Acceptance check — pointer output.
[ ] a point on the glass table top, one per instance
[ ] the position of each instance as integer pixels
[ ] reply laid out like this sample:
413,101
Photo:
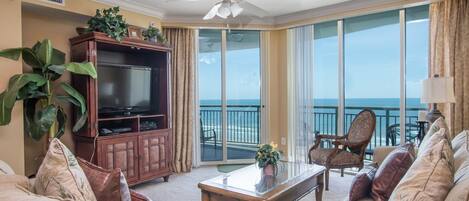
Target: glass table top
252,180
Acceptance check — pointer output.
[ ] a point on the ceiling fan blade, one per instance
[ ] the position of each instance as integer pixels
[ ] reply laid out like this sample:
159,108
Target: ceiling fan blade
253,9
212,13
236,9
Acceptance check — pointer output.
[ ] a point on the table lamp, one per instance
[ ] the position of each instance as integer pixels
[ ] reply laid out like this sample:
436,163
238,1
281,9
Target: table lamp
437,90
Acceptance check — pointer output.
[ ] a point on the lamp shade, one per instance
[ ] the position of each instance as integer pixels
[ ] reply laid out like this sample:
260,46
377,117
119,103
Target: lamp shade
438,90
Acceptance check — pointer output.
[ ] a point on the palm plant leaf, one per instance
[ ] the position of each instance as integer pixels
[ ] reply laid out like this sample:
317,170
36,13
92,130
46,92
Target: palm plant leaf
82,69
39,121
10,95
78,98
44,52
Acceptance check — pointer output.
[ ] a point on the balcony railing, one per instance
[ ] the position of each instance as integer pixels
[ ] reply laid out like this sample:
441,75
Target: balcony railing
243,122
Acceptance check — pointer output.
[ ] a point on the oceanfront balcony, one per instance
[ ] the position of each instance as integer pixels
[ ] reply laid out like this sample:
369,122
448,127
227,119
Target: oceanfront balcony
244,128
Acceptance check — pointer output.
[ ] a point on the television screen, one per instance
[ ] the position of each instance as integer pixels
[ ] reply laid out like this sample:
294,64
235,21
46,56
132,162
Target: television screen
123,88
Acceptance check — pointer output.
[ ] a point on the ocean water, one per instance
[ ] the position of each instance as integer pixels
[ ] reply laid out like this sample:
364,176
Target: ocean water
243,116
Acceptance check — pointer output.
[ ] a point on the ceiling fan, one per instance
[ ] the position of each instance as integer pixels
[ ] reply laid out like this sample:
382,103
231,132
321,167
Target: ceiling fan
225,8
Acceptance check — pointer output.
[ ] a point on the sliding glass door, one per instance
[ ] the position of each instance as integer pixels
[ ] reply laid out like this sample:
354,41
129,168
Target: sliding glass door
210,95
375,61
229,94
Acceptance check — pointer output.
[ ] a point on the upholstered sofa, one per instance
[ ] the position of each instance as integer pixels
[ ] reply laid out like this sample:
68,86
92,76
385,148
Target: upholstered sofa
459,168
19,188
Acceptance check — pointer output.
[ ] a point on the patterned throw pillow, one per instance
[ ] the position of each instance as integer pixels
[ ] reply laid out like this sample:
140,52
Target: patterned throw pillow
105,183
390,172
61,176
435,127
429,178
361,183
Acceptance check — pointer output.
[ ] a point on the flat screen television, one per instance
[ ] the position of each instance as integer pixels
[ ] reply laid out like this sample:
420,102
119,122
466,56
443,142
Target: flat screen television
123,89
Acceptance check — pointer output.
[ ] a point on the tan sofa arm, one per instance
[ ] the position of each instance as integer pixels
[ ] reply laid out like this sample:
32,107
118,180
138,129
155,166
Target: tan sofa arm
380,153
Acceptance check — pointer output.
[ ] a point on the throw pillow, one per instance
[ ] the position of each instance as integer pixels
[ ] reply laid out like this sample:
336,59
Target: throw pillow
60,175
435,127
391,171
436,138
5,168
124,188
105,183
430,177
460,140
361,183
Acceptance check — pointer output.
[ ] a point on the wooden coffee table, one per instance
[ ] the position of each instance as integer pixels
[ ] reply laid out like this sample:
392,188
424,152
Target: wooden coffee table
293,181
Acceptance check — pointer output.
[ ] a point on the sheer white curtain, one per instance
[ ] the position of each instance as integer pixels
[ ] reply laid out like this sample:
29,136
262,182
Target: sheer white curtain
300,92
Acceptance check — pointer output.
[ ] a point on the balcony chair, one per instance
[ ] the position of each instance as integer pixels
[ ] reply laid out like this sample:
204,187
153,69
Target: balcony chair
348,150
393,132
206,135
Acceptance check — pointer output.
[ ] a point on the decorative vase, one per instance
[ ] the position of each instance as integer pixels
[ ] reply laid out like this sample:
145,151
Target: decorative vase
153,39
270,170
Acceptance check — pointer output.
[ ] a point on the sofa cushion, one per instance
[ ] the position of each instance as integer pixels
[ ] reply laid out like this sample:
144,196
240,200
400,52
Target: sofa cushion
460,140
5,168
391,171
361,183
429,178
435,127
60,175
460,190
17,188
105,183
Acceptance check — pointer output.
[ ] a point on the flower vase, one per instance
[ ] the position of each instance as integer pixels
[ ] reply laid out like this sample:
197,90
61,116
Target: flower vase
270,170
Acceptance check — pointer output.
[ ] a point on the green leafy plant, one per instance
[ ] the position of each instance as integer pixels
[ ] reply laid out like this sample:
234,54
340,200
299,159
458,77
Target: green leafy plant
267,154
42,102
153,34
109,22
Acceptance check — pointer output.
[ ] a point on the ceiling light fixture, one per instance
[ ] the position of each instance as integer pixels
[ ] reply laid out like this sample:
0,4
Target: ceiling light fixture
224,9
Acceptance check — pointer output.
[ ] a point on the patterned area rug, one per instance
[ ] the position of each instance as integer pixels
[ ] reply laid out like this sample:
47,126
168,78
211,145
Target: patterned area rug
183,187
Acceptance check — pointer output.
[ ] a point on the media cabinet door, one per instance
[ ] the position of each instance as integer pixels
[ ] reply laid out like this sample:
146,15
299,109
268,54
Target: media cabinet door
121,153
155,154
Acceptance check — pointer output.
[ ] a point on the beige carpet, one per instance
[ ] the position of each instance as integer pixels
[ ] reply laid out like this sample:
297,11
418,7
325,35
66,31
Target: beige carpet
183,187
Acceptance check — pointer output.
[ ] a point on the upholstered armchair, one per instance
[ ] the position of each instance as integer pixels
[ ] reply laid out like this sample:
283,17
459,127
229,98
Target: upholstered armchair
348,151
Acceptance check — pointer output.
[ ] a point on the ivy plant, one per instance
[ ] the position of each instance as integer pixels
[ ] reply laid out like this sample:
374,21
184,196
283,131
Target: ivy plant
42,99
109,22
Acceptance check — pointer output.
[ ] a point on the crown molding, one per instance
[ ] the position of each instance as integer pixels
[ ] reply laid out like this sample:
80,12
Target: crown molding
135,7
331,12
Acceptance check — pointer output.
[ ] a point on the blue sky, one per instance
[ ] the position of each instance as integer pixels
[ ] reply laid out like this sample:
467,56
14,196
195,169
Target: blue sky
371,65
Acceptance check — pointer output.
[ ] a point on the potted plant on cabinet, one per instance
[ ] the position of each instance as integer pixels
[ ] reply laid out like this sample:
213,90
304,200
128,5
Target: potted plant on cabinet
109,21
153,34
267,158
43,110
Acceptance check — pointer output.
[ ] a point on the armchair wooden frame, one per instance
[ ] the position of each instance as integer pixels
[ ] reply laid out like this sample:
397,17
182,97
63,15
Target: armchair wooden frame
347,143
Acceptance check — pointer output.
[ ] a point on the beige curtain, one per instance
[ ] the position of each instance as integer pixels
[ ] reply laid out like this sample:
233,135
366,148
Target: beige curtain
449,55
182,92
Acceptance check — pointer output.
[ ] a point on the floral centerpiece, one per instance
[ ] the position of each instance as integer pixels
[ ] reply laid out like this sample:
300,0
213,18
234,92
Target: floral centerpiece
267,158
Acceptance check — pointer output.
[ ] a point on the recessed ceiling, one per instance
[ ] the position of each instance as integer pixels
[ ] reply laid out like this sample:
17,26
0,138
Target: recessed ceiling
173,9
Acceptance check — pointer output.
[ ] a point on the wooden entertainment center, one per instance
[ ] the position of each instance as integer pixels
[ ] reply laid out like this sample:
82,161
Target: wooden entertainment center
141,152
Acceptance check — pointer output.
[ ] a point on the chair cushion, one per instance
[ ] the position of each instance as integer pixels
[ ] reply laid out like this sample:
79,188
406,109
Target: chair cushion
435,127
361,183
429,178
60,175
390,172
320,156
105,183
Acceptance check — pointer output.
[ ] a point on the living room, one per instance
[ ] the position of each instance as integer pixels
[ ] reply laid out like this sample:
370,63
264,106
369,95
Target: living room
234,100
